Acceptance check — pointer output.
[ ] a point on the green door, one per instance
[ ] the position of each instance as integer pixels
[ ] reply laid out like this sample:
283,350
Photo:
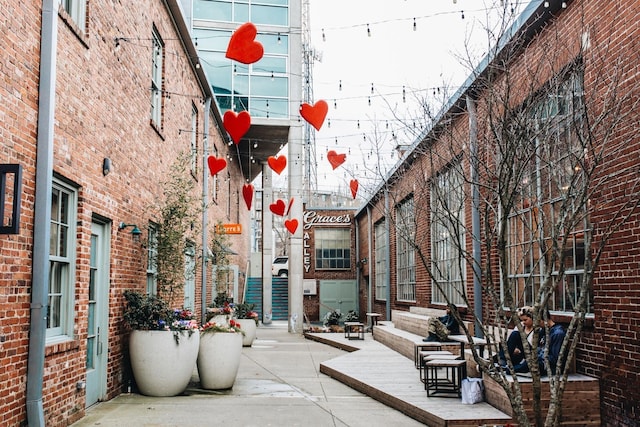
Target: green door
338,295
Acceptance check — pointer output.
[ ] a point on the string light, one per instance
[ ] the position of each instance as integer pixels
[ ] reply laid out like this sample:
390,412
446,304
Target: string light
414,24
368,31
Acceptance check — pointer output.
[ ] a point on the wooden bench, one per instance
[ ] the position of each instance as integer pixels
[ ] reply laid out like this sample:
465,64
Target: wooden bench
580,403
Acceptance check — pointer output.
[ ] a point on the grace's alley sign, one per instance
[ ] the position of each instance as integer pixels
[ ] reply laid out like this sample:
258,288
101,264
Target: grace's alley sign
313,218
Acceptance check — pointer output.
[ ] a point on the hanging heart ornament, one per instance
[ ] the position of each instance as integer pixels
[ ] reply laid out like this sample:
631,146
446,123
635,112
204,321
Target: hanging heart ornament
243,46
278,207
353,184
336,159
216,164
247,193
237,125
291,225
315,114
277,164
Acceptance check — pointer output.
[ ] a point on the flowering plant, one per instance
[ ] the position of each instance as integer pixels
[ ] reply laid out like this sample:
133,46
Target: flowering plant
211,327
246,311
150,313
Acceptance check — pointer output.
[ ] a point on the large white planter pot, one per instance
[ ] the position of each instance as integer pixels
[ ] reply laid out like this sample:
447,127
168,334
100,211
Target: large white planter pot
219,359
160,366
250,328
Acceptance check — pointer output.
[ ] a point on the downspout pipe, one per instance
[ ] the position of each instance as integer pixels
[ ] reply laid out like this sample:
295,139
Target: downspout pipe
369,264
42,214
205,211
475,215
388,257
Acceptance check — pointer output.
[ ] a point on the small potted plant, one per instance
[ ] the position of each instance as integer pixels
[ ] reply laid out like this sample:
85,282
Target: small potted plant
219,354
331,320
248,319
163,345
221,310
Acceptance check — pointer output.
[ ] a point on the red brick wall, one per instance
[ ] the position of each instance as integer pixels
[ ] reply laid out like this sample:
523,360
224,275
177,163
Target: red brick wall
608,348
102,110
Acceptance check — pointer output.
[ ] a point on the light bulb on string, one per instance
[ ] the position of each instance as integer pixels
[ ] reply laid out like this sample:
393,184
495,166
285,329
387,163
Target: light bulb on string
372,88
335,104
329,123
279,39
340,85
404,94
414,24
235,70
462,12
324,38
272,76
368,31
358,124
369,101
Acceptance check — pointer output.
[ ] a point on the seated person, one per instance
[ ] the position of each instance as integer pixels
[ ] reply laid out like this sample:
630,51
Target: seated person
441,327
515,348
556,337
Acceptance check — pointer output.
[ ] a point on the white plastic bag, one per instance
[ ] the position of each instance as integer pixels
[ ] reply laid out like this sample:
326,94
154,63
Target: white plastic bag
472,390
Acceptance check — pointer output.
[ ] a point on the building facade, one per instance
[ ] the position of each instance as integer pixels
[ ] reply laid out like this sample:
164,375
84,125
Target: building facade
528,178
101,102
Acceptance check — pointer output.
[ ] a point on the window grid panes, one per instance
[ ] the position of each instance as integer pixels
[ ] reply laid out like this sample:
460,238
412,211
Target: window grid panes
545,193
152,260
381,246
156,78
61,261
333,248
265,12
447,236
405,252
261,88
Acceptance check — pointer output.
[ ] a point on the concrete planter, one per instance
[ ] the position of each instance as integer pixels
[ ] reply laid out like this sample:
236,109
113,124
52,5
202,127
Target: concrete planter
250,328
219,359
162,367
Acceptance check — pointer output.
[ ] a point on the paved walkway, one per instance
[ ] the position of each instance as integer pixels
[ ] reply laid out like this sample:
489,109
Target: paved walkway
279,384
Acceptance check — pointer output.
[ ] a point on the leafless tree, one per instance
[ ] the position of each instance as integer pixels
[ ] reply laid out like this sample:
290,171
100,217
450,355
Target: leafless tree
522,181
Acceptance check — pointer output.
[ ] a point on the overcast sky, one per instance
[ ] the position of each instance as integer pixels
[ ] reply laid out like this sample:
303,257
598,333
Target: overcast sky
367,51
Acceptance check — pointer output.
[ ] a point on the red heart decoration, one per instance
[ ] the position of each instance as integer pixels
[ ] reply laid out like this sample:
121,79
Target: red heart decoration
315,114
278,207
247,193
215,164
292,225
236,124
277,163
336,159
243,47
354,187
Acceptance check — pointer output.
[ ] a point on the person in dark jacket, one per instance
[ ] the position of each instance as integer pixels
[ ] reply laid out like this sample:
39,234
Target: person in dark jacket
556,337
441,327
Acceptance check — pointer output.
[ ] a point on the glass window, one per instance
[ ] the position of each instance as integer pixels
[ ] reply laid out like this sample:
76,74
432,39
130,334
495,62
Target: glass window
194,140
545,203
156,79
77,11
269,86
381,246
269,15
333,248
152,260
405,252
212,10
447,236
61,261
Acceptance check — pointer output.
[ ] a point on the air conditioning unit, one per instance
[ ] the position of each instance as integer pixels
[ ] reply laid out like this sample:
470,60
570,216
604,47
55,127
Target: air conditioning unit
309,287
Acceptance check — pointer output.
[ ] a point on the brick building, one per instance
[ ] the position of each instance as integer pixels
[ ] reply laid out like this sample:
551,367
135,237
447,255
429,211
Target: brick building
556,102
98,101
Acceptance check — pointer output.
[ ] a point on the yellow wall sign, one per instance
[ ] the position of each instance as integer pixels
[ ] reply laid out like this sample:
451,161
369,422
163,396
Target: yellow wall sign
229,228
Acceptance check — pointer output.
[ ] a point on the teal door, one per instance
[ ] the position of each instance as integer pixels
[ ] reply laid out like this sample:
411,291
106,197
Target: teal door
97,316
338,295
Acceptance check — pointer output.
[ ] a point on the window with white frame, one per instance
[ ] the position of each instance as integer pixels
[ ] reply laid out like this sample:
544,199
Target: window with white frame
405,251
381,247
333,248
194,140
447,236
545,197
157,53
62,261
77,10
152,260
